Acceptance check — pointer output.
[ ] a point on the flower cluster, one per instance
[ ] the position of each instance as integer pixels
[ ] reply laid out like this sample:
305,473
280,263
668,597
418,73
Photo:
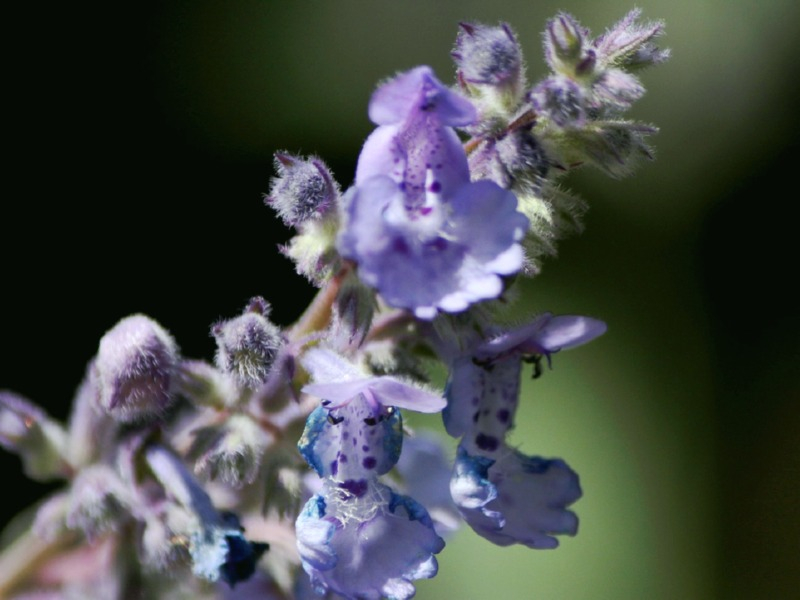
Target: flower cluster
186,477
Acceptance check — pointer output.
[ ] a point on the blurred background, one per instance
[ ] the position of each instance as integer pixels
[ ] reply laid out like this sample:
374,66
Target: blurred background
139,141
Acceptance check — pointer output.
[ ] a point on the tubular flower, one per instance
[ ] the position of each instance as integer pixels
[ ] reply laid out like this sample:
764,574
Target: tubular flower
422,234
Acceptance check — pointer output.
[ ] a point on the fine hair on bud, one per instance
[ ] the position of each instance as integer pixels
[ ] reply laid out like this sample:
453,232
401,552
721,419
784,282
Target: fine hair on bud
304,189
248,344
134,369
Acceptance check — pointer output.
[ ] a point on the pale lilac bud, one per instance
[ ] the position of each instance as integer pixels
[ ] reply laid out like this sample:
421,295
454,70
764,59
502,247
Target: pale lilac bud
134,369
99,501
26,430
488,56
248,344
304,189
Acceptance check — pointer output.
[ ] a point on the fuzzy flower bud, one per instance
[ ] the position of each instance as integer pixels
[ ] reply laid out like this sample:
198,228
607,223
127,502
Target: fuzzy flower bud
304,189
134,369
231,452
248,344
490,59
564,44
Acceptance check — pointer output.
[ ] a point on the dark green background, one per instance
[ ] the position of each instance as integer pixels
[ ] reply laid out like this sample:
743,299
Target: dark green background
139,140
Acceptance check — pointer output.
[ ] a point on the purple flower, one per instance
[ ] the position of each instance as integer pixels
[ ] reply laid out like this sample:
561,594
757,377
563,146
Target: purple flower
421,233
369,547
506,496
515,499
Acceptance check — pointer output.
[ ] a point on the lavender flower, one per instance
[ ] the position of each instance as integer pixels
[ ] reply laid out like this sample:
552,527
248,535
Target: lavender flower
453,196
421,233
491,482
357,537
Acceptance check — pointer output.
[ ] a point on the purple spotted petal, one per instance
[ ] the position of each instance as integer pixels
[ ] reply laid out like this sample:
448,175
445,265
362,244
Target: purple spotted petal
377,545
516,499
352,443
482,398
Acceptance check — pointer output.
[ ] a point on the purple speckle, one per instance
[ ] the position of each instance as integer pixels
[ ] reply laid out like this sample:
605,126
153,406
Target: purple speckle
334,467
343,458
357,487
486,442
369,462
365,448
503,415
435,187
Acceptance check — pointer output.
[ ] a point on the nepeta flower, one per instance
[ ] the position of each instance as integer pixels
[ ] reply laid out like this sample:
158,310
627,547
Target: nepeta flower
421,233
358,537
506,496
369,547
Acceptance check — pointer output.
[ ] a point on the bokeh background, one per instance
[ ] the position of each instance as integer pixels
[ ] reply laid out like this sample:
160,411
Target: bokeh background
139,139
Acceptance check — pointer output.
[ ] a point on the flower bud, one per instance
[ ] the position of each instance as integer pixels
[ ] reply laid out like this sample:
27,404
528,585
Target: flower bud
489,56
248,344
231,452
134,369
304,189
27,430
564,43
99,501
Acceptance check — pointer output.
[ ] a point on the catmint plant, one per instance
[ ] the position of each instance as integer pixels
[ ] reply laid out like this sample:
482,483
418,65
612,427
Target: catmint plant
280,467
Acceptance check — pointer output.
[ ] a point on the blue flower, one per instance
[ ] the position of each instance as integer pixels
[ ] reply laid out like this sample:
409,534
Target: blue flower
516,499
422,234
367,547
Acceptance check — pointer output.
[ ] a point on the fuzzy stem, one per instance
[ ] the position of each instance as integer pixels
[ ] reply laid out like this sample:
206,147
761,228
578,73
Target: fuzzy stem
318,314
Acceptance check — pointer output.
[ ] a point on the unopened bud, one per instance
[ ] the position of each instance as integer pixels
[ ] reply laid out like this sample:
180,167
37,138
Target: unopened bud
352,313
231,452
304,189
248,344
564,43
134,369
489,56
26,430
